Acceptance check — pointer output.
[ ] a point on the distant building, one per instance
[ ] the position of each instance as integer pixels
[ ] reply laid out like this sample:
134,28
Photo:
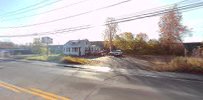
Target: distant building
80,48
17,51
46,40
193,48
20,51
14,49
7,45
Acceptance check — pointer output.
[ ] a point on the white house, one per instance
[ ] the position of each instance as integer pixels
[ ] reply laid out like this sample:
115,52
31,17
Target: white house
79,48
76,47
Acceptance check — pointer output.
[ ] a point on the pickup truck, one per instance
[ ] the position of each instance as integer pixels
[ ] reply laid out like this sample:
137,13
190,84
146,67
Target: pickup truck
116,53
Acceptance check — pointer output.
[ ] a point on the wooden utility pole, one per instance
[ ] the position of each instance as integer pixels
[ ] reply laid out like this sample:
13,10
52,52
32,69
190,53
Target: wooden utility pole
110,41
47,49
47,41
110,31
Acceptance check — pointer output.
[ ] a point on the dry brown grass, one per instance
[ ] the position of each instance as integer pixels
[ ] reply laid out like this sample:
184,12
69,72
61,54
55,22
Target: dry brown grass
75,60
181,64
78,60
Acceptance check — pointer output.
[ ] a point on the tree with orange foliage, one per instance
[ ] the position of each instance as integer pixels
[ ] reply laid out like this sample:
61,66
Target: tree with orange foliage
172,32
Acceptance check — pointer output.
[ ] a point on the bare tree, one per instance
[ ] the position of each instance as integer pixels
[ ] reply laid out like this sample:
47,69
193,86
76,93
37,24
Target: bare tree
38,47
110,31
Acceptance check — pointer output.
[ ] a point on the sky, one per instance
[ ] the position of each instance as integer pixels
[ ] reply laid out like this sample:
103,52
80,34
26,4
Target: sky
15,13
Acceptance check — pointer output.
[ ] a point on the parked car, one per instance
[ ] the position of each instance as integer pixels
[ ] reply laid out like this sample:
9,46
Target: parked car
103,52
116,53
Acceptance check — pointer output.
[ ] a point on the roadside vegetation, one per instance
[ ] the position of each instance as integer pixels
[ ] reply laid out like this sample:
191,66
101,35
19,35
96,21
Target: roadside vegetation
62,59
75,60
172,32
45,58
181,64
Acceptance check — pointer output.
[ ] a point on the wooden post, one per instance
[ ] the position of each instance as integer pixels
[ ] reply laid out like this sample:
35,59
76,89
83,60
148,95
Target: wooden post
47,50
110,41
185,52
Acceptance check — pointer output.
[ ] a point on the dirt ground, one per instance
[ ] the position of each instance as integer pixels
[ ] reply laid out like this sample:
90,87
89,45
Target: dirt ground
125,62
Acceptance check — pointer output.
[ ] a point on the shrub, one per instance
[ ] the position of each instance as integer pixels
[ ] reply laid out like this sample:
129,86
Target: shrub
75,60
183,64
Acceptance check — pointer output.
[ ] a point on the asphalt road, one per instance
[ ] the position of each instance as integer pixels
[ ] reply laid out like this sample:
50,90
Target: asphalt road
25,80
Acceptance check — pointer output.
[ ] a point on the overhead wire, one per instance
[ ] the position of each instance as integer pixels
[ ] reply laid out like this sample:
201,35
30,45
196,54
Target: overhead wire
71,29
25,7
48,11
24,10
151,14
79,14
67,17
181,8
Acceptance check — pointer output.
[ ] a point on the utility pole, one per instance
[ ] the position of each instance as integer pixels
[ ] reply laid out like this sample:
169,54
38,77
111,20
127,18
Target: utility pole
47,41
47,49
110,31
110,41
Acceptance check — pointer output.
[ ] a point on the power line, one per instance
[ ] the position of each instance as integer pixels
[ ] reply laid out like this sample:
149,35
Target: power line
25,7
151,14
66,6
71,29
187,1
152,10
24,10
76,14
64,18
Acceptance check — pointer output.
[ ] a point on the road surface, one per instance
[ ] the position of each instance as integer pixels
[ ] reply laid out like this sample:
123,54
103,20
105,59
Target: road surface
27,80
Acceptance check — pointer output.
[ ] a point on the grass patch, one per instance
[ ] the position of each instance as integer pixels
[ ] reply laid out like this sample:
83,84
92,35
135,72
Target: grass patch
64,59
45,58
181,64
39,58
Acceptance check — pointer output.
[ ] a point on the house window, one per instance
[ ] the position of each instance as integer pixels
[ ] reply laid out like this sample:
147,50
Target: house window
87,49
75,49
67,49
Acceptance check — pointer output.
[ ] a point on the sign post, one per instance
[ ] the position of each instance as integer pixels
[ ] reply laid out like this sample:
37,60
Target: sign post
47,41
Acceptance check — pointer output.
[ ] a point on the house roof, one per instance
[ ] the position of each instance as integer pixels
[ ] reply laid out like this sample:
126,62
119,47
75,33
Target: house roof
98,43
190,46
55,46
75,42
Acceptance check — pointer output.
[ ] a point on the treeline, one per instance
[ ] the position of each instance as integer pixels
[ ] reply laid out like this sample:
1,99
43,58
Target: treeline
140,45
170,41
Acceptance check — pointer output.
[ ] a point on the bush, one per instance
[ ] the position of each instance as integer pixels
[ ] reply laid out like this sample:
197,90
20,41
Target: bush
63,59
54,58
75,60
183,64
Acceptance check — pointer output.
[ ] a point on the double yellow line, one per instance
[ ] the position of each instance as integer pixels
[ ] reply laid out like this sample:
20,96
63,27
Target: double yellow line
33,91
